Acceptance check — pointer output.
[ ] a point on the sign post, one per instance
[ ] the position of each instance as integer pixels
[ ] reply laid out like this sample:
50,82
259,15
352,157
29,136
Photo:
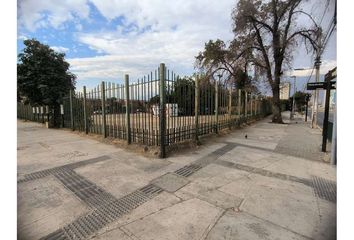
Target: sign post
328,77
326,85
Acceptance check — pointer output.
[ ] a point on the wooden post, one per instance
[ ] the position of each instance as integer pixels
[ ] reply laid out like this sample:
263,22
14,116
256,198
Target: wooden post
162,111
71,110
216,106
103,99
85,111
127,110
196,110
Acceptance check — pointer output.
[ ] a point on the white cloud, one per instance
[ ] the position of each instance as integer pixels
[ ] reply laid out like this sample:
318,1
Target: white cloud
33,14
152,31
60,49
326,66
158,31
22,37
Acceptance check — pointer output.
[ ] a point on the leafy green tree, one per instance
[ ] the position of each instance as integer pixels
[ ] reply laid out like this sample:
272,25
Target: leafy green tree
43,76
300,99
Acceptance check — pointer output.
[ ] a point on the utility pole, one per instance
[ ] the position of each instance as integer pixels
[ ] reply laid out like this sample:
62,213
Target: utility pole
315,99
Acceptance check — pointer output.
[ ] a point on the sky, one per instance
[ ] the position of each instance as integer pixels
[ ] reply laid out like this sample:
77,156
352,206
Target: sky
103,40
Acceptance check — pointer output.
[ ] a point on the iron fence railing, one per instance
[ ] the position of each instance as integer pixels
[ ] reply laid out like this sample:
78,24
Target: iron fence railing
159,109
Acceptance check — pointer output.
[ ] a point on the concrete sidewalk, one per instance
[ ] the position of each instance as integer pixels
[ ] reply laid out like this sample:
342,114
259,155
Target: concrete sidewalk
272,185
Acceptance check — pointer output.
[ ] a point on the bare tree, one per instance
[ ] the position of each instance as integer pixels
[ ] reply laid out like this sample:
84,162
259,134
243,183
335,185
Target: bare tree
268,32
216,56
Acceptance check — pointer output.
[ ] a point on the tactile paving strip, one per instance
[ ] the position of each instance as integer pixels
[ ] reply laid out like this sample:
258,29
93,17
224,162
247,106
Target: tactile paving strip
325,189
84,189
188,170
106,208
85,226
60,169
151,190
204,161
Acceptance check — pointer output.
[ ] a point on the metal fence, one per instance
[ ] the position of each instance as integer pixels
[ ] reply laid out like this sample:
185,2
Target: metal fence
36,114
159,109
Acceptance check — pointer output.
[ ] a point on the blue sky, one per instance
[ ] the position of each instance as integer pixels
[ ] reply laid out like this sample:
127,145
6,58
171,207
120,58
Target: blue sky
104,39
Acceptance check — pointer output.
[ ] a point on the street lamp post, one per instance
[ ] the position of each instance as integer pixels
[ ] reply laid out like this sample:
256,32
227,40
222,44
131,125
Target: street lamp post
293,105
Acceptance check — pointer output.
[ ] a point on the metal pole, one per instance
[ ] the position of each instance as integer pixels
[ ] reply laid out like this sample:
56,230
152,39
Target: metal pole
85,110
162,111
217,104
71,110
315,99
334,135
325,120
127,109
196,111
307,106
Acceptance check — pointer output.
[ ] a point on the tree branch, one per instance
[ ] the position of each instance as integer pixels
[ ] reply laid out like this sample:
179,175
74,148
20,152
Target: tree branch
264,53
254,20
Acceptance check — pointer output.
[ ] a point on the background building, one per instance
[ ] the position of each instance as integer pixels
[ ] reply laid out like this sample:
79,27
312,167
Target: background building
284,91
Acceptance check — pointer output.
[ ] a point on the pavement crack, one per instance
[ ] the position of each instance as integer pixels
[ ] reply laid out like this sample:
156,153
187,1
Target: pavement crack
212,225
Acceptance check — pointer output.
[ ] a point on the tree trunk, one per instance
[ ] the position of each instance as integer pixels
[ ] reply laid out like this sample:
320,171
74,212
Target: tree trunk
276,108
55,118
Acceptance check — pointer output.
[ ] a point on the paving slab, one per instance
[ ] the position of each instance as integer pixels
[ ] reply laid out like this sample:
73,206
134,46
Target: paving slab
290,165
186,220
114,234
238,188
239,225
117,179
160,202
252,157
213,171
170,182
44,205
287,204
209,193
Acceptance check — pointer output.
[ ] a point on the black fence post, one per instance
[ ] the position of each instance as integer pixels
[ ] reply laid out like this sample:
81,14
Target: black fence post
325,120
127,109
71,110
85,111
216,106
103,99
162,111
196,110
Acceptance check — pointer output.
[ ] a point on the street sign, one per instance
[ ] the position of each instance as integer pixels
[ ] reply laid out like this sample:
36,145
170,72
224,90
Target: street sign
315,85
319,85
